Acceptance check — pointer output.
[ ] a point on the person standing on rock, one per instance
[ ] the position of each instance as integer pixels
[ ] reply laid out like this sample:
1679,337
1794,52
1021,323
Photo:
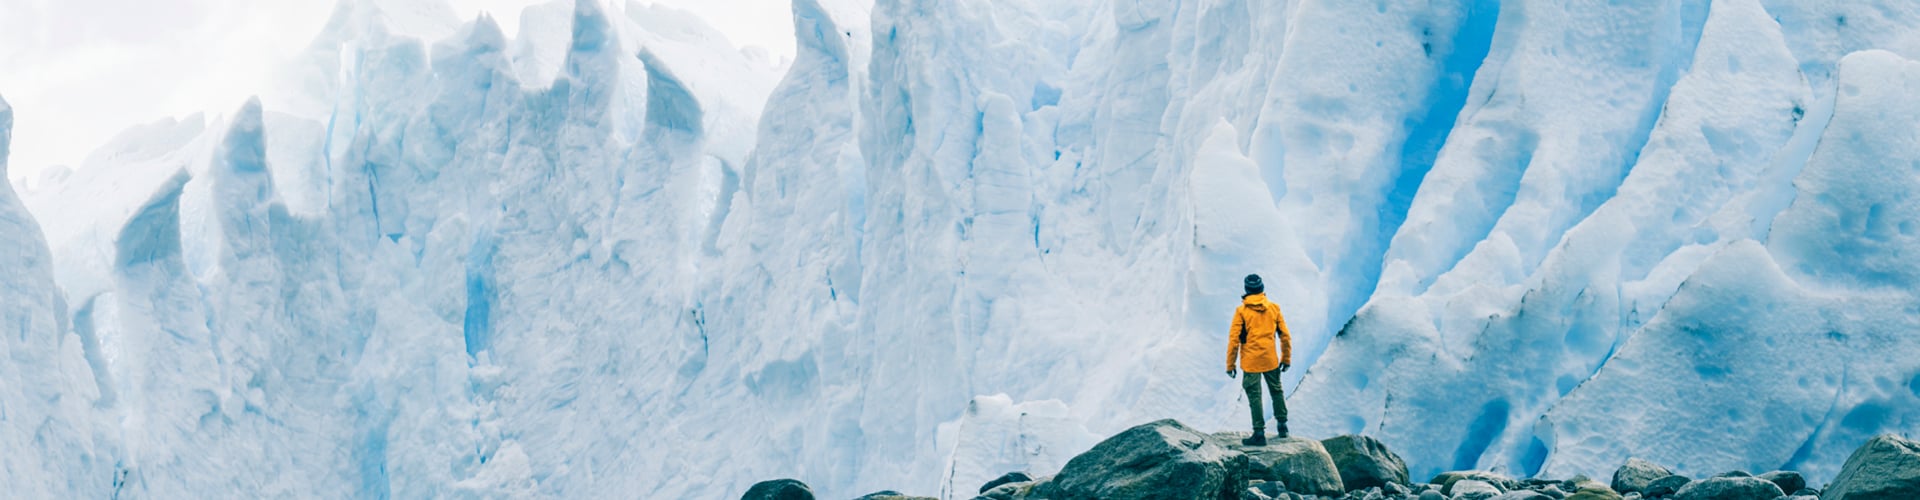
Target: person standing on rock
1250,346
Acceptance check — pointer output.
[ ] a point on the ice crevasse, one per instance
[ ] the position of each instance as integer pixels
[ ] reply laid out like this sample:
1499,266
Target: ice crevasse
615,256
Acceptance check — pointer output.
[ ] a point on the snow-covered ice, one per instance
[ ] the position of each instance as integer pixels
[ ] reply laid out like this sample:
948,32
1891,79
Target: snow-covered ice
615,256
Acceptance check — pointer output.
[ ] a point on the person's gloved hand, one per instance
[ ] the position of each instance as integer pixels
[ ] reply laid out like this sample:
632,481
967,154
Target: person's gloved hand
1231,373
1285,366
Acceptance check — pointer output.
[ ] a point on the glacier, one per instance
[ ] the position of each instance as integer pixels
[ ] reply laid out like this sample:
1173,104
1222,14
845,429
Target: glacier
615,256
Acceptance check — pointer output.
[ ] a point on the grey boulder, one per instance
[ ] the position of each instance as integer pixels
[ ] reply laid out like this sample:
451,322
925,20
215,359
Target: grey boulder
1729,488
1447,480
779,489
1474,489
1788,481
1885,468
1010,477
1364,462
1666,486
1157,460
1636,475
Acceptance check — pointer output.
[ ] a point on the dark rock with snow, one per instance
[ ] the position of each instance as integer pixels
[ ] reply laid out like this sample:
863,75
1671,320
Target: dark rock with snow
1734,473
1364,462
1446,480
1010,477
1887,467
1432,495
1162,459
1636,475
1522,495
1666,486
1303,464
1729,488
779,489
1473,489
1788,481
881,495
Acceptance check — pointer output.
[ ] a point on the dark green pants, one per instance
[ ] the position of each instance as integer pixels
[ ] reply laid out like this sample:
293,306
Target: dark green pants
1251,382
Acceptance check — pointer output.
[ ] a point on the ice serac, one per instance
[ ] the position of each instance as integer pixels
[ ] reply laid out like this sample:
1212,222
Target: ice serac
58,445
1817,298
1570,295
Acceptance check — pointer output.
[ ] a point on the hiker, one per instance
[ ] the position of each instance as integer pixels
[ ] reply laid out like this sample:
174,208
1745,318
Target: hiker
1250,345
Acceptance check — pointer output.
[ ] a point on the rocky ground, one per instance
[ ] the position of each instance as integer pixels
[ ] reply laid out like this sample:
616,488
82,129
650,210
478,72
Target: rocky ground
1168,460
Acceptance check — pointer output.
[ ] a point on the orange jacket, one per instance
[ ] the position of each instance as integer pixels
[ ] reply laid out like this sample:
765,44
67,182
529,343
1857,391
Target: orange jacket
1260,320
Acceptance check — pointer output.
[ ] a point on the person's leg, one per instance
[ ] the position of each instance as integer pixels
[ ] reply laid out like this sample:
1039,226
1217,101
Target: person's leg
1250,382
1279,400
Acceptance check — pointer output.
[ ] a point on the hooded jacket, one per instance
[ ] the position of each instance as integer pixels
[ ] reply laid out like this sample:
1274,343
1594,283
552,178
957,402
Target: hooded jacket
1260,320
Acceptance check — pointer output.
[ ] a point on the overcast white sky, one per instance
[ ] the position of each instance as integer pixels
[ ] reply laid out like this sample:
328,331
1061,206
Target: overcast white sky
79,71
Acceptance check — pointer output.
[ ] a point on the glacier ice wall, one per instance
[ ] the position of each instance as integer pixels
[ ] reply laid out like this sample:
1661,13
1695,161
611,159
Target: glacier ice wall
615,256
63,444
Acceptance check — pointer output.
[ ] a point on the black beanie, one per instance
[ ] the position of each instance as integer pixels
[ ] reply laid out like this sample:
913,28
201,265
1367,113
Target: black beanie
1253,284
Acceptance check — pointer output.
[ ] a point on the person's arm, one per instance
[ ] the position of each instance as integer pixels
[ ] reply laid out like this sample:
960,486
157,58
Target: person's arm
1233,341
1286,340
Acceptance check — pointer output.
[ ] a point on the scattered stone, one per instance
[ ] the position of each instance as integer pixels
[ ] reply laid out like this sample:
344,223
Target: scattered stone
1666,486
1255,494
1601,493
1432,495
1303,464
880,495
1473,489
1272,489
1393,489
1010,477
1364,462
1446,480
1522,495
1161,459
1886,467
779,489
1636,475
1729,488
1552,490
1786,480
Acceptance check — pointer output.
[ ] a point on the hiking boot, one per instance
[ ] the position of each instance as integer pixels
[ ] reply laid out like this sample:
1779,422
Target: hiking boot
1259,438
1283,432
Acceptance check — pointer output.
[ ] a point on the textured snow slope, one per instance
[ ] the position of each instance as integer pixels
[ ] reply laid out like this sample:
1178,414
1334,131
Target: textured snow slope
616,257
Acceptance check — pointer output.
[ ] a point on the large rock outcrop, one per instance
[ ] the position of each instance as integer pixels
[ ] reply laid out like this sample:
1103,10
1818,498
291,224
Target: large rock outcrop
1157,460
1886,468
1302,464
